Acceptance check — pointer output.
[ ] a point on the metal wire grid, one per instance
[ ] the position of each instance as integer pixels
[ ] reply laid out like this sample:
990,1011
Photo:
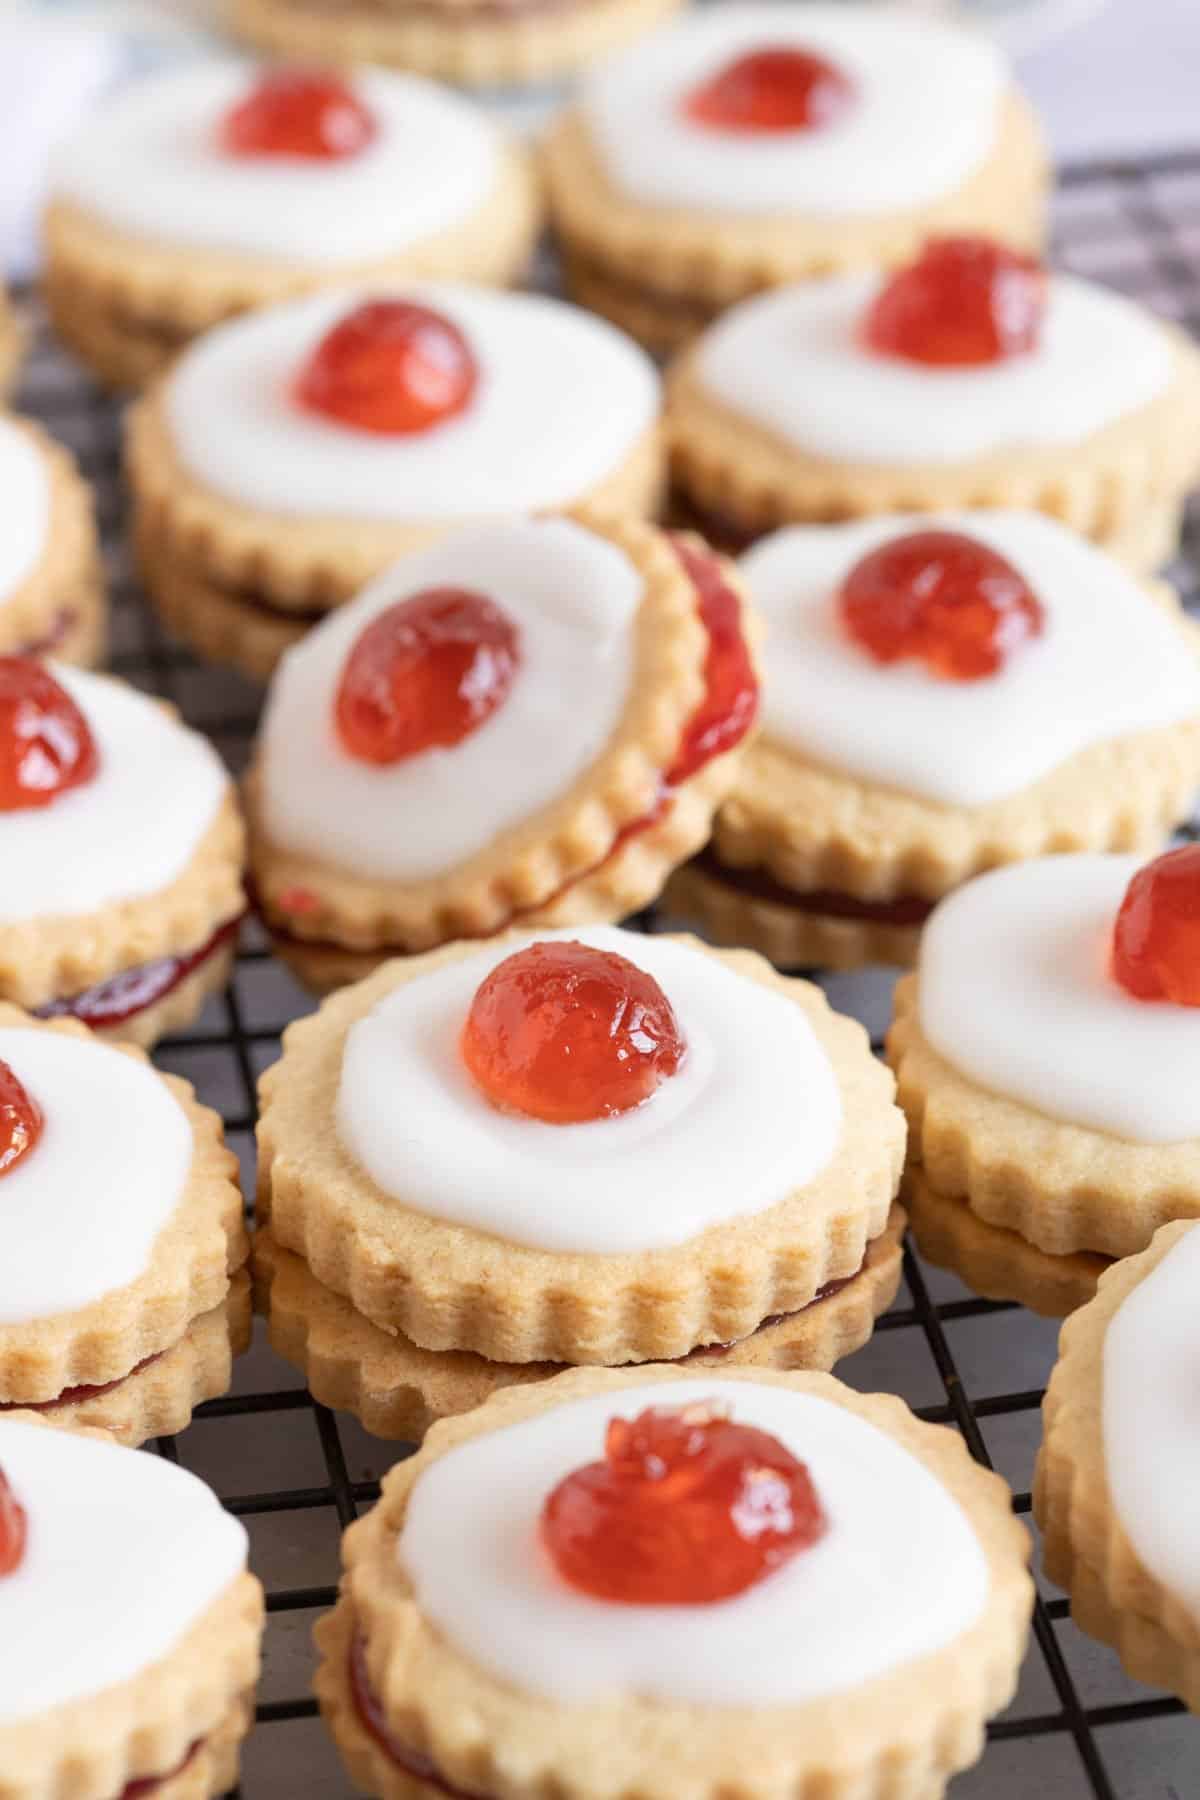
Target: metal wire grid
297,1474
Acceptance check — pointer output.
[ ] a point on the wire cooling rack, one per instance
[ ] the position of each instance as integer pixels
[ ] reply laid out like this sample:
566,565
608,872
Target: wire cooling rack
297,1474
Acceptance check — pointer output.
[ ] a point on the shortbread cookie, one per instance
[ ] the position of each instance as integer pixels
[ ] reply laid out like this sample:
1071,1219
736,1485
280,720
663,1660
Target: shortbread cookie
908,663
291,456
745,149
729,1145
398,1391
52,596
992,1260
205,191
132,1625
1119,1459
970,379
97,779
471,42
1043,1058
101,1153
569,1637
530,722
12,345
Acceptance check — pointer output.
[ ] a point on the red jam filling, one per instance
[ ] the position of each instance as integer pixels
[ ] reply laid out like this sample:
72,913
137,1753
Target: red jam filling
390,367
942,599
777,88
688,1507
46,747
113,1002
370,1712
298,112
1156,941
905,910
74,1396
730,701
425,674
12,1529
20,1120
964,303
565,1033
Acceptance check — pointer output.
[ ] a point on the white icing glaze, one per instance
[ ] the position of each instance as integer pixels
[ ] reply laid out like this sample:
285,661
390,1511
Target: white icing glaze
1151,1441
150,165
25,520
925,119
562,400
151,768
751,1116
898,1575
1105,664
83,1208
792,362
1015,992
573,597
124,1553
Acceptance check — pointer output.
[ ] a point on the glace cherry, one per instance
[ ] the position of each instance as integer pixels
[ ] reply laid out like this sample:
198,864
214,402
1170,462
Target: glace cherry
777,88
940,598
425,674
1156,942
688,1507
964,303
46,747
299,112
565,1033
390,367
20,1120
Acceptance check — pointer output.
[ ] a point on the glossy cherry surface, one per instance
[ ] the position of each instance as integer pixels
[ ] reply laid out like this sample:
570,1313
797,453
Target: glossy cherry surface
773,89
46,746
688,1507
1156,941
940,598
299,112
20,1120
425,674
964,303
390,367
13,1527
566,1033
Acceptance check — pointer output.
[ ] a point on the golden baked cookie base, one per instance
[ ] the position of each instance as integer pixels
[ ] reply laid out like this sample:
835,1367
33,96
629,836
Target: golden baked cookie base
302,565
127,305
12,347
625,881
447,40
791,937
1120,486
46,959
1085,1547
714,260
91,1749
995,1262
565,862
1061,1187
899,1736
449,1287
397,1390
813,828
203,1242
60,609
213,1770
160,1398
